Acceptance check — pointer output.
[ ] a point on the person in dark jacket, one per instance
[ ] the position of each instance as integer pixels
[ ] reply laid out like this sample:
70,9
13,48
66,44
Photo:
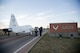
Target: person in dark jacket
40,30
36,31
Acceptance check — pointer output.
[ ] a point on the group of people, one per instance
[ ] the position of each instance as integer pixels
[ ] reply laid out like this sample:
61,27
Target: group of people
38,29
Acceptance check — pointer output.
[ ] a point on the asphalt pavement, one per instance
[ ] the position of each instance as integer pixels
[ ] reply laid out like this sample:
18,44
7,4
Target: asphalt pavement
12,43
9,44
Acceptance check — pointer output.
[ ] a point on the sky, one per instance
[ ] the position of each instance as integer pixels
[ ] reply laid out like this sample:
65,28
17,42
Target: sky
39,12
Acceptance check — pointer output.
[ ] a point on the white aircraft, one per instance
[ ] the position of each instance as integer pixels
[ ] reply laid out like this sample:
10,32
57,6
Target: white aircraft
14,27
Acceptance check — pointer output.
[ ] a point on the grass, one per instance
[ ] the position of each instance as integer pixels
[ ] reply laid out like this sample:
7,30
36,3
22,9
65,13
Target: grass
49,44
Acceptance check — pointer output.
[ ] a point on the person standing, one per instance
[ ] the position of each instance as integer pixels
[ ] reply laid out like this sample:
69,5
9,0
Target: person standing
36,31
40,31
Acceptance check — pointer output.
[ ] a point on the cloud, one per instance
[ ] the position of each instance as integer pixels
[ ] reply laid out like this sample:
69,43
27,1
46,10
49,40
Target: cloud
21,16
3,24
40,14
39,19
67,13
33,19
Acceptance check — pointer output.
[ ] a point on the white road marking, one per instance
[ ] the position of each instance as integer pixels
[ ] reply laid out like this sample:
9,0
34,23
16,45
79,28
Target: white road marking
25,45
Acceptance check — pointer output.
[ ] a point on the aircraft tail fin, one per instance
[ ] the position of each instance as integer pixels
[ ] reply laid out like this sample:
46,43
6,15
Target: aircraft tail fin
13,22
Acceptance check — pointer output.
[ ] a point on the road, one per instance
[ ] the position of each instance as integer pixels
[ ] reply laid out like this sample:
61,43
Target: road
12,43
9,44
